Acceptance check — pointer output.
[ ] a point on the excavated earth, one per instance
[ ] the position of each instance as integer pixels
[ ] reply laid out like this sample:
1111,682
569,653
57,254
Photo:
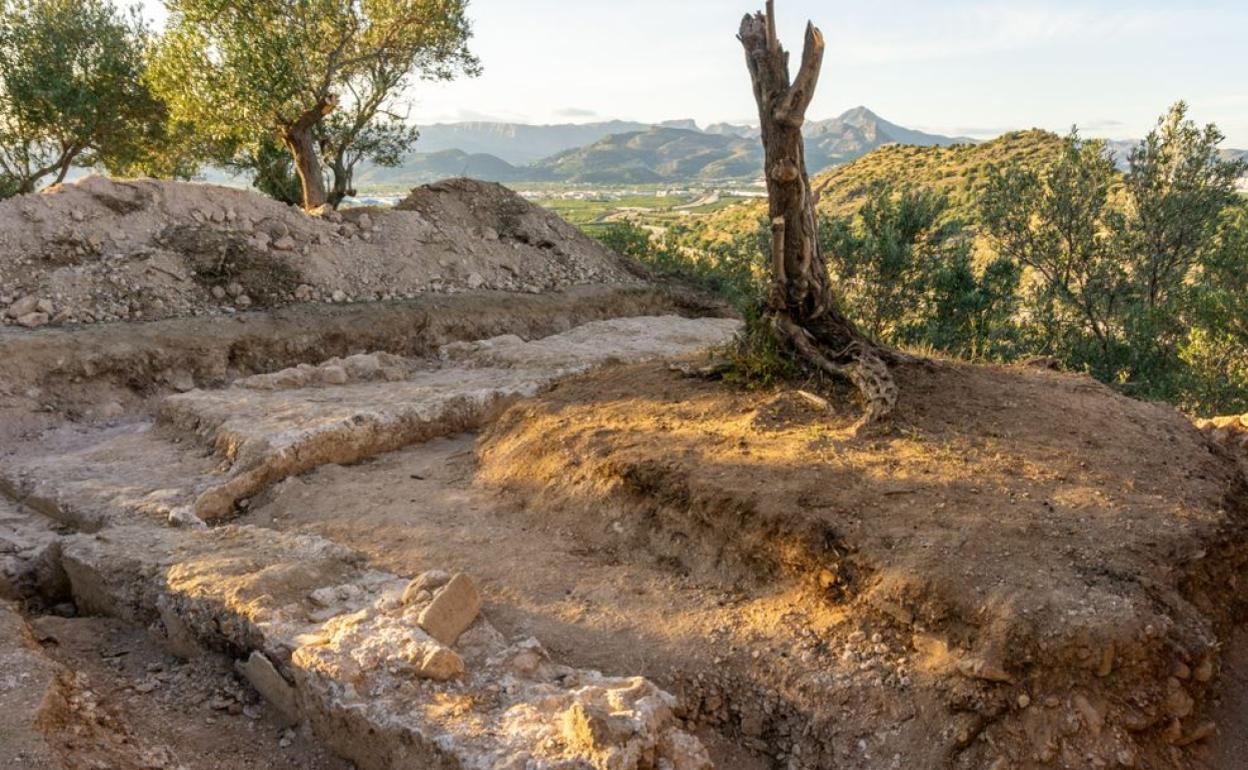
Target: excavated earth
436,495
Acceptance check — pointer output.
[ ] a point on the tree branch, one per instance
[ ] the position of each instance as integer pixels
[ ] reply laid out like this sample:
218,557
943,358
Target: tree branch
792,109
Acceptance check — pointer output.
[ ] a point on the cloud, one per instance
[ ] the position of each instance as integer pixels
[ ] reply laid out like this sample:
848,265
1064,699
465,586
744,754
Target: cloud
576,112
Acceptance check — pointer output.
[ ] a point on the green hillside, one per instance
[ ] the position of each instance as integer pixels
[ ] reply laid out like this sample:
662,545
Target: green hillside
960,171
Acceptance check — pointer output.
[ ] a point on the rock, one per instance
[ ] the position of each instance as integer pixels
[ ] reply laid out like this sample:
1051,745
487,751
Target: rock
1024,701
362,366
44,306
339,296
334,375
1092,716
1204,671
441,664
179,638
242,300
682,751
304,292
452,610
1177,702
593,730
365,222
475,281
218,292
1202,732
180,380
425,582
24,306
33,320
285,243
980,668
183,516
234,289
264,676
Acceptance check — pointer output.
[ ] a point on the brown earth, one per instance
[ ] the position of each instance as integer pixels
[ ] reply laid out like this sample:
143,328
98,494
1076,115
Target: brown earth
128,704
1022,570
1025,537
105,250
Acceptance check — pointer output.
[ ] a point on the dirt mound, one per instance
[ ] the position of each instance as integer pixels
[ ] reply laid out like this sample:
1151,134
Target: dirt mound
104,250
1059,561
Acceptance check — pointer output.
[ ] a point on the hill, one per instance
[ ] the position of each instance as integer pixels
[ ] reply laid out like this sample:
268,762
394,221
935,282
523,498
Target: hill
424,167
518,143
859,131
620,152
959,170
656,155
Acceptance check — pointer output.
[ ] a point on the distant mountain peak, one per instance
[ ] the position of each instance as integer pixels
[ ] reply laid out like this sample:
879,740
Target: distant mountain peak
623,152
688,124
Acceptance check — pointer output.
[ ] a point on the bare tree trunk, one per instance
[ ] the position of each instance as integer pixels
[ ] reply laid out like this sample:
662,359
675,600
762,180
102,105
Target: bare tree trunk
802,306
301,142
342,180
302,148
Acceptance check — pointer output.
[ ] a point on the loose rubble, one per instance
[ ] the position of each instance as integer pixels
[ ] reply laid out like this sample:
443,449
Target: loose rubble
107,250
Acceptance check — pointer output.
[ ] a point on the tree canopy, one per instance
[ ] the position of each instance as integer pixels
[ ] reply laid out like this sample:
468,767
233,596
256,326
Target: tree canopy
71,90
318,76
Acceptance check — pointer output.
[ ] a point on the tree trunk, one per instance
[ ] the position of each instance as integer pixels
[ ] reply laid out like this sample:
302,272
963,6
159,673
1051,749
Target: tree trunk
301,142
342,174
802,305
302,148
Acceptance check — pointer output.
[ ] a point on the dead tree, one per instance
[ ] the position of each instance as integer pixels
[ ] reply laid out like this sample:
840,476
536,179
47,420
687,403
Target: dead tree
802,306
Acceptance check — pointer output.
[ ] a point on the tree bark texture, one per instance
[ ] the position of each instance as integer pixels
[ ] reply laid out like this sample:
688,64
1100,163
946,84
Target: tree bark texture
802,305
300,139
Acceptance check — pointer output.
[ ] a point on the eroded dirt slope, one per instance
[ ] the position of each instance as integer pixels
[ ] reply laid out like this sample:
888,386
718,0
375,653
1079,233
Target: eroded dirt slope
1058,561
106,250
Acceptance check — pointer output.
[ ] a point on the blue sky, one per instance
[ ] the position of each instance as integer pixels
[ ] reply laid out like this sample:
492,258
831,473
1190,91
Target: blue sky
957,67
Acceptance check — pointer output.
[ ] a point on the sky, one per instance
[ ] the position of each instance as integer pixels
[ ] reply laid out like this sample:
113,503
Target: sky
954,67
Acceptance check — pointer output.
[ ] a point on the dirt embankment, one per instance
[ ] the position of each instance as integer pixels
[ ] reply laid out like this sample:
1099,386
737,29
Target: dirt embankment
102,372
1054,563
107,250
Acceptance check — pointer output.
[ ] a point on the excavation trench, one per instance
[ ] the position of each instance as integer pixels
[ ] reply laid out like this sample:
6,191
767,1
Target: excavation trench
334,644
1045,583
857,607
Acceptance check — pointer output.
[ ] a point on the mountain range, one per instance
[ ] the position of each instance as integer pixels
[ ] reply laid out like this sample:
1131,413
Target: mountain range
620,152
628,153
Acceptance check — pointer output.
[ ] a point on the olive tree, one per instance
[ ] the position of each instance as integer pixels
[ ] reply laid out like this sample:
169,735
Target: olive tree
803,307
72,90
241,70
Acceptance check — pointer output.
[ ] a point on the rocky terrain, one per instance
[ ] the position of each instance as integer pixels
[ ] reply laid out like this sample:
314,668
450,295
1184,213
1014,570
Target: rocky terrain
104,250
496,525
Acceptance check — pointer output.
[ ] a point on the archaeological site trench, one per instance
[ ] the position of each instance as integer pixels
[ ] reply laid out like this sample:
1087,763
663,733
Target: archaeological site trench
434,487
